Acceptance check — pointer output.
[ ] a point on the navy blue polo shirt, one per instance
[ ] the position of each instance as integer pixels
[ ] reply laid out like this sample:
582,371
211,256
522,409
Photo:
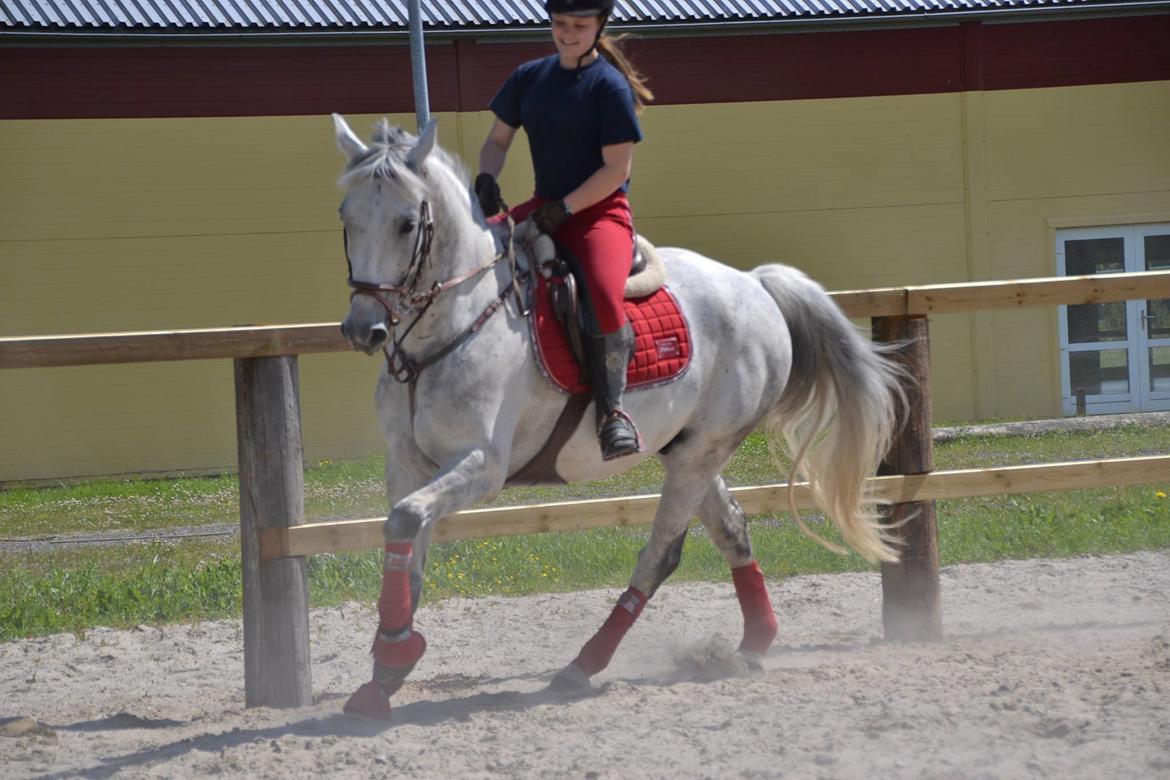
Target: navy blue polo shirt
568,116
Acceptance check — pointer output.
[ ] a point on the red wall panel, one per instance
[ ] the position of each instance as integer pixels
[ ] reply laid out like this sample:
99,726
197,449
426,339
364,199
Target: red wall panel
104,81
1058,54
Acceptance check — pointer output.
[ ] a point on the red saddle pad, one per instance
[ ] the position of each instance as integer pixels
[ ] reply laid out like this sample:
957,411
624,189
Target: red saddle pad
663,349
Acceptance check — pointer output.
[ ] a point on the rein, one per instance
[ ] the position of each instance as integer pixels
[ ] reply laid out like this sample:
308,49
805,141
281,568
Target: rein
403,368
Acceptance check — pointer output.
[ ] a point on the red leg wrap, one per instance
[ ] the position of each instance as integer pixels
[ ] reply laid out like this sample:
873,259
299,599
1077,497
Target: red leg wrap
759,621
598,651
396,652
397,646
394,606
393,661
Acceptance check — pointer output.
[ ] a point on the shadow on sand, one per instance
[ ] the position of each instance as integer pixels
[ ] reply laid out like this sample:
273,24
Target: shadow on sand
418,713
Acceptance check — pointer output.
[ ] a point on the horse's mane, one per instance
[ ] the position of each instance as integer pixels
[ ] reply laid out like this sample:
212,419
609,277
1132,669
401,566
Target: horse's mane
385,159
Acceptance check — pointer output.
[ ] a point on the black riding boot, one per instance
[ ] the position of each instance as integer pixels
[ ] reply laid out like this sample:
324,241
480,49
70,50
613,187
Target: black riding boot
609,356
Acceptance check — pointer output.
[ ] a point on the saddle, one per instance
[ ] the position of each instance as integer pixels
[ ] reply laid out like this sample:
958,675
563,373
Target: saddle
647,276
557,327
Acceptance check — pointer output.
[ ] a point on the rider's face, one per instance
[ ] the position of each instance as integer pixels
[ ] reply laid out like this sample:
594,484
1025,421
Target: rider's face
574,36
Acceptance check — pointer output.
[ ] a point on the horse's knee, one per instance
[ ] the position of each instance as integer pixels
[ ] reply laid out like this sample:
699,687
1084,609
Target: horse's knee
403,524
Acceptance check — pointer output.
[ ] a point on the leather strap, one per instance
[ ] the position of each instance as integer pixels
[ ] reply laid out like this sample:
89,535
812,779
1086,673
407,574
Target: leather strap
542,469
407,371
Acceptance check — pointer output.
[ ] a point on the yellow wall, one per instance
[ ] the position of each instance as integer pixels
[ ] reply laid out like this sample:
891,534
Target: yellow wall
110,225
1078,156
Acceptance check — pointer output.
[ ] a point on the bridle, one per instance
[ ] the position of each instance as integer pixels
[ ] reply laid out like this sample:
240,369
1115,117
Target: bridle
403,368
407,291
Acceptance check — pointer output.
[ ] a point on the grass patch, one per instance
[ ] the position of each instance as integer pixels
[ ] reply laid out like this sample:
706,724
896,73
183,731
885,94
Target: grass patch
334,490
351,489
125,585
121,586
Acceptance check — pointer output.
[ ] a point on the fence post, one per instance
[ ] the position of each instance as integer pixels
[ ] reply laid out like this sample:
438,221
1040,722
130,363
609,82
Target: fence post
911,607
272,480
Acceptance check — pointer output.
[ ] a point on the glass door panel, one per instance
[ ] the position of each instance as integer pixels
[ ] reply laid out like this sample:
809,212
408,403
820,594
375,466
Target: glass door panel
1154,324
1096,336
1095,323
1088,256
1100,372
1091,323
1160,370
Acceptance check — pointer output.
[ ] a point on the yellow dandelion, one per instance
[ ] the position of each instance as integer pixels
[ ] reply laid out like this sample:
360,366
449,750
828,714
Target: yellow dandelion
1160,494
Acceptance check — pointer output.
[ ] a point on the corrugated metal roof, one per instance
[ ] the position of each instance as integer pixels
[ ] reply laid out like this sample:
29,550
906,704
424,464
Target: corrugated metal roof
244,16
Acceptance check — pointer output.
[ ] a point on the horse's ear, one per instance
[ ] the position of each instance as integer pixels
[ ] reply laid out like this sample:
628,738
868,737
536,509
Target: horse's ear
350,145
426,142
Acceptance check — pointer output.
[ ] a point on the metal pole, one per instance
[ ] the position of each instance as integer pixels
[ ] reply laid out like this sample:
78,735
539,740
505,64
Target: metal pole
418,66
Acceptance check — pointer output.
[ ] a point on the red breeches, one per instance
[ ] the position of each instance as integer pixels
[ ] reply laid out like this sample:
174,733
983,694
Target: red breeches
602,239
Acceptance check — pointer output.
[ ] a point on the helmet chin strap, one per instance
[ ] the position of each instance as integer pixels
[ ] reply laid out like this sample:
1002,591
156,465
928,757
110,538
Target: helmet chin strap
596,40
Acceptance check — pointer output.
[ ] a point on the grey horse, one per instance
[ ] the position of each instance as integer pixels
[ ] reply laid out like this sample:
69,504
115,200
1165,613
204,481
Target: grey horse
464,406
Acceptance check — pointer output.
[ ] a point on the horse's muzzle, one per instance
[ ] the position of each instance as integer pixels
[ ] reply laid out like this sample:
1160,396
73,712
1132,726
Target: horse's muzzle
368,338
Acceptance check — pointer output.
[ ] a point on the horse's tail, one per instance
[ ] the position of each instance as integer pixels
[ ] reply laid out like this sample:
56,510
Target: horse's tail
838,411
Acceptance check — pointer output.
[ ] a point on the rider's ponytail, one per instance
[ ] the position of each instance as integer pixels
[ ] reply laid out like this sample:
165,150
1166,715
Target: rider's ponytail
611,50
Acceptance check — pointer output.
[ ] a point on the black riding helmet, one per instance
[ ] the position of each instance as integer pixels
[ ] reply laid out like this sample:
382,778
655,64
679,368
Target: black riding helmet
579,7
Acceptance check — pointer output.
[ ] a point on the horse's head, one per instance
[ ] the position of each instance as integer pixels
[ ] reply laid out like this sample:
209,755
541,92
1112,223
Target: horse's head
396,192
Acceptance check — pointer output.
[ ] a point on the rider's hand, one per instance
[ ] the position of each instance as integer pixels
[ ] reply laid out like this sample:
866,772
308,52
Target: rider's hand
487,191
550,216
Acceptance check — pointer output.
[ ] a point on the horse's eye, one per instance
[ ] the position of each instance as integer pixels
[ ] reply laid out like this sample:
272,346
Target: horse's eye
406,226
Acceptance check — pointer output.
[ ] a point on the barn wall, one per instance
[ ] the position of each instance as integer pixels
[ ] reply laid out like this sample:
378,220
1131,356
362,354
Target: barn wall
154,222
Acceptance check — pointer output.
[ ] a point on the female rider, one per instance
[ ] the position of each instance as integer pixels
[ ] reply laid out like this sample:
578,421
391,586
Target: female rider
578,108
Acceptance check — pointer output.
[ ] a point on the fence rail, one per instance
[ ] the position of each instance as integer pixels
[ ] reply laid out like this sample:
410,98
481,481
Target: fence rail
158,346
272,340
353,535
274,539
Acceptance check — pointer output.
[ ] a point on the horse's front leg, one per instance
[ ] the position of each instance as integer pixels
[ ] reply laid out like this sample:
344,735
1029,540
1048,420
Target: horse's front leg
397,645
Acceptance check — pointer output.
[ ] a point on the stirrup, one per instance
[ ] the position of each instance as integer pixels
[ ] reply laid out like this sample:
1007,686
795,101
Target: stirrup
618,435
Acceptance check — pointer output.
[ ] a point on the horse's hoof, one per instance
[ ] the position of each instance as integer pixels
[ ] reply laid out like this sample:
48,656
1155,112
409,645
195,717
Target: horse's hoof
570,680
369,701
753,661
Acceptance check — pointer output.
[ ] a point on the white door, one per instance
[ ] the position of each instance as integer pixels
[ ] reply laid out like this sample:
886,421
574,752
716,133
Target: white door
1116,354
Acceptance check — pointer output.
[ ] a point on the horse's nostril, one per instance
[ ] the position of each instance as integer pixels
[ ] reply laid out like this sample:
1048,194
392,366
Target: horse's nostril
378,335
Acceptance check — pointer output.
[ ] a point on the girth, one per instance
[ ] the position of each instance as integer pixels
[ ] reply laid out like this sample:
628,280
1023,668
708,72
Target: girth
542,469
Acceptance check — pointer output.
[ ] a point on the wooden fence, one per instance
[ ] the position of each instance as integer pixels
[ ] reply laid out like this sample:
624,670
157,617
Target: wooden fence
275,538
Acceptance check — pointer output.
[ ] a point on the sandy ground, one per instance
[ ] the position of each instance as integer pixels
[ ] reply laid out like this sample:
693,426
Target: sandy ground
1049,669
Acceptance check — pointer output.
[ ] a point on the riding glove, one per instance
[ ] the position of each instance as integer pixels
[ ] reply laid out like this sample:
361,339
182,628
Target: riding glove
487,191
549,217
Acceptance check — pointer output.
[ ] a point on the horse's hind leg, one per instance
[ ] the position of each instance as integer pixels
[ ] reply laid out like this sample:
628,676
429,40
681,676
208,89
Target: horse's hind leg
727,526
681,495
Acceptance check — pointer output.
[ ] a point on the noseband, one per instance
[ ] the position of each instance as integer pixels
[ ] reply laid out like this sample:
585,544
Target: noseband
399,365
